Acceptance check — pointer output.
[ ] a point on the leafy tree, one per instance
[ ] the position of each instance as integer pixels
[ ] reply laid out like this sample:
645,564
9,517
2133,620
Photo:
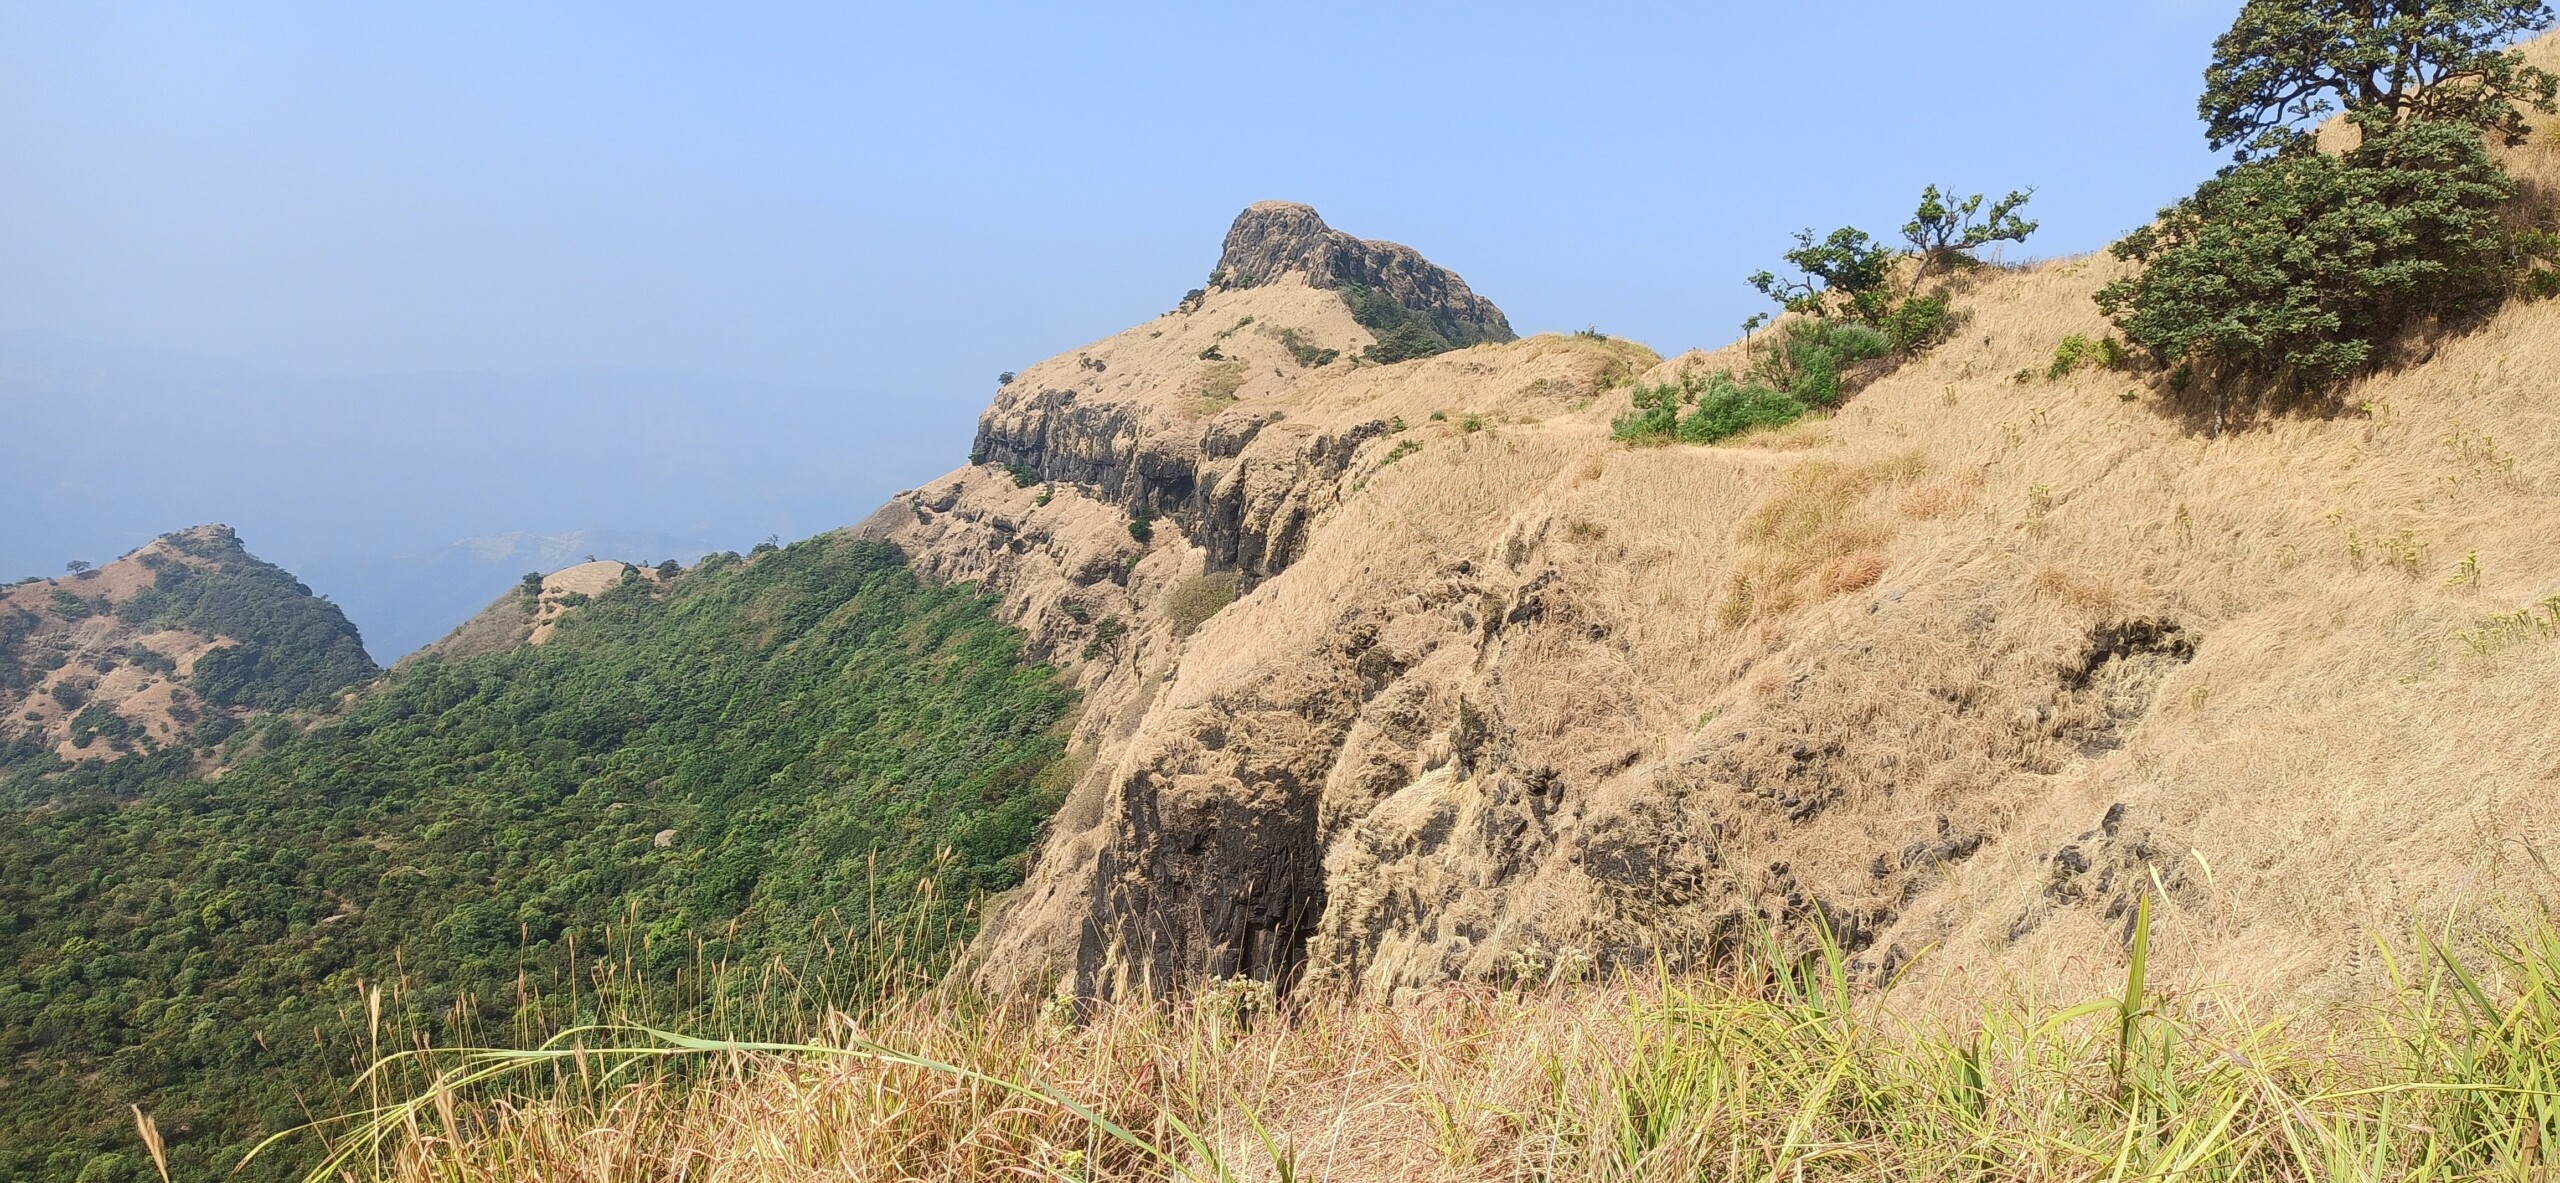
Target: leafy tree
2285,65
1944,232
76,566
2286,275
1849,274
1845,273
2293,270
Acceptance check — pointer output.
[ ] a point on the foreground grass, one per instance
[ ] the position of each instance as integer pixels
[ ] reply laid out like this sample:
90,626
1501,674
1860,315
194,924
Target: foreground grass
1776,1072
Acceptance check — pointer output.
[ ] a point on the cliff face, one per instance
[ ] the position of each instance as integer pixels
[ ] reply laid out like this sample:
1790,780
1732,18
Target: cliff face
1966,666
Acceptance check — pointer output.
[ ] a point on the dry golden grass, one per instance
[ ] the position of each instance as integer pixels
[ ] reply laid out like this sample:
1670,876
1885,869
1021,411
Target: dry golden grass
1789,1074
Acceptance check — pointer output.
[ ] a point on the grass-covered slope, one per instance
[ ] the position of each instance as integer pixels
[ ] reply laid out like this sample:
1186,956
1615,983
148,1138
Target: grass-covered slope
760,759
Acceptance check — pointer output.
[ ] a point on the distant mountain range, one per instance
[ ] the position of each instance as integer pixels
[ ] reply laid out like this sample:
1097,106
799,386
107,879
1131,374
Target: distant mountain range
361,485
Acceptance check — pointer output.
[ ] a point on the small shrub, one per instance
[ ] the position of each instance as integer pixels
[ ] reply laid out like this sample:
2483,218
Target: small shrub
1402,449
1142,525
1004,379
1213,353
72,607
1197,599
1656,413
1811,354
1726,408
1439,416
1106,635
1405,342
1918,323
1470,423
1220,382
1024,476
2077,351
1718,407
1076,611
1305,353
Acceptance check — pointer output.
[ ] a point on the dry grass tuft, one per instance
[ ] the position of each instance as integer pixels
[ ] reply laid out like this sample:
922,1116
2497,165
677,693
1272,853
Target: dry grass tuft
1777,1071
1816,535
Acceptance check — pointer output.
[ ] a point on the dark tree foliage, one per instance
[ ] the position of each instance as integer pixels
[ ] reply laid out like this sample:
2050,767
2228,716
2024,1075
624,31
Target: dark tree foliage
2285,65
1404,332
2285,276
16,625
815,733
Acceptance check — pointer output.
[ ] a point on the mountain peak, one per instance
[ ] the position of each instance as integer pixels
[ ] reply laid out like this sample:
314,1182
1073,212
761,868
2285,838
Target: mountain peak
1275,238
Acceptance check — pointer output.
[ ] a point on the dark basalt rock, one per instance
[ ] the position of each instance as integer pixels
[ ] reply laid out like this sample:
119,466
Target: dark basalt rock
1274,238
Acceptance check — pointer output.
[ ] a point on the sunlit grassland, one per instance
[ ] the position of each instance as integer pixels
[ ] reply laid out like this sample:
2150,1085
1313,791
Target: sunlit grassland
1773,1068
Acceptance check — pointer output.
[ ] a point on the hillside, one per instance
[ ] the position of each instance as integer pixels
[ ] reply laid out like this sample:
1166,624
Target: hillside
168,649
721,797
1429,731
1950,670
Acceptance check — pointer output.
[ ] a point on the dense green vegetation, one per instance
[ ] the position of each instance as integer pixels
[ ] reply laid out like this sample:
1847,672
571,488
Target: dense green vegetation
1404,332
807,760
2296,269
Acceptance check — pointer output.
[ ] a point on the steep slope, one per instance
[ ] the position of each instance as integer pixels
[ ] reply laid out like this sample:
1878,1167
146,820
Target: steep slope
1957,668
171,647
796,771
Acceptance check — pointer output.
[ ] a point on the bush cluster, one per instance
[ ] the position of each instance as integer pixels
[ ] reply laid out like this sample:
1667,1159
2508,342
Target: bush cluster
1848,306
2296,269
1404,332
1798,372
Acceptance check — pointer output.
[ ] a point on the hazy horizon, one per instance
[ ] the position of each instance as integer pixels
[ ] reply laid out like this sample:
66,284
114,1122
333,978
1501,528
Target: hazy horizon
365,283
372,489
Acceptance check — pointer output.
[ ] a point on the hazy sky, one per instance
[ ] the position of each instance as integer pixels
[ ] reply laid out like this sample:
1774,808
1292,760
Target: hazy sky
906,199
893,204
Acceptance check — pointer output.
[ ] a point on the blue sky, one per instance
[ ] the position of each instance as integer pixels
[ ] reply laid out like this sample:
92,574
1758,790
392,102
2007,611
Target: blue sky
893,204
907,199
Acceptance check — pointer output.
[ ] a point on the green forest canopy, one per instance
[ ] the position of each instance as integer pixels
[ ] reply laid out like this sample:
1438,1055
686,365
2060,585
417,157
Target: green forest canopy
764,762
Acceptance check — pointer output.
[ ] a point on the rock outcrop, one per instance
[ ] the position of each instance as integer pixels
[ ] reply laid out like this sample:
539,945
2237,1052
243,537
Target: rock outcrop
1499,698
1273,239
